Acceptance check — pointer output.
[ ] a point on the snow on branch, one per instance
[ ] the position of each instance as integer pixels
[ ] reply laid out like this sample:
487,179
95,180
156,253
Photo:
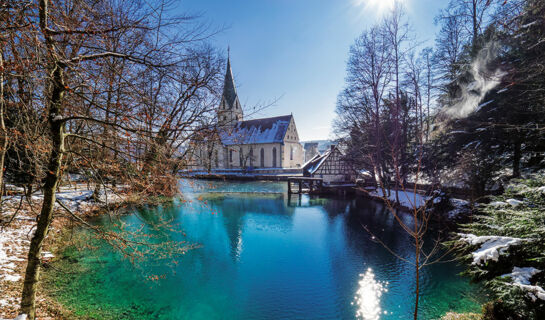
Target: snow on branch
521,278
491,246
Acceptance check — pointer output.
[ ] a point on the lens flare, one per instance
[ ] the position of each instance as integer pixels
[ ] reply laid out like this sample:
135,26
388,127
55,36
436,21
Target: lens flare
367,298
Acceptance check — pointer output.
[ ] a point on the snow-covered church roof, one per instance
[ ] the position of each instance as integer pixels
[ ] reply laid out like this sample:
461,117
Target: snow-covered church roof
266,130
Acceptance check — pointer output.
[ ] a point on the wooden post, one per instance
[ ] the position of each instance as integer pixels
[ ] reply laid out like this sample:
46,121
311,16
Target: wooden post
289,187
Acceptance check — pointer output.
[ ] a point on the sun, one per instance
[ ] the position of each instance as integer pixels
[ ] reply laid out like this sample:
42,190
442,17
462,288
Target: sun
377,6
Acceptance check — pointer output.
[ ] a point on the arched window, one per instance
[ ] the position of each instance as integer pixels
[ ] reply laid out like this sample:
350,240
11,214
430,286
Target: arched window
240,156
262,158
217,159
274,157
251,157
230,155
291,153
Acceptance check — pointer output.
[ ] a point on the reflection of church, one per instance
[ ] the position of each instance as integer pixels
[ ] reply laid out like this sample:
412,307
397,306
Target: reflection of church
235,207
246,144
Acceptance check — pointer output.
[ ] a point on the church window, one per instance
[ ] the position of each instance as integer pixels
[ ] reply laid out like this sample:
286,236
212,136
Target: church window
230,155
240,157
251,157
291,153
274,157
262,158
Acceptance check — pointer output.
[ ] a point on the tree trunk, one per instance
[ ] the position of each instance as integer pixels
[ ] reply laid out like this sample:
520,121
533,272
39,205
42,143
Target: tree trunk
475,28
3,130
96,193
417,238
417,283
56,127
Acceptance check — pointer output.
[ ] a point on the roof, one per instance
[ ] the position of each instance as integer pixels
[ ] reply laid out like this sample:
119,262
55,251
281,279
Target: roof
316,162
266,130
311,166
229,89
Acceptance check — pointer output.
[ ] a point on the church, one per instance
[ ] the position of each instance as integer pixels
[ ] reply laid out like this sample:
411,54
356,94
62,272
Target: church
235,143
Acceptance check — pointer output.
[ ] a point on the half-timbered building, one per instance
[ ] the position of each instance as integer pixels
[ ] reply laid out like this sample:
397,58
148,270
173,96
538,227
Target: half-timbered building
330,166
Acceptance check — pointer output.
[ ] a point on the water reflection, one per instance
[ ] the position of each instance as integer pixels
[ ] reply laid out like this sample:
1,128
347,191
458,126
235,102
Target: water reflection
268,256
238,211
367,297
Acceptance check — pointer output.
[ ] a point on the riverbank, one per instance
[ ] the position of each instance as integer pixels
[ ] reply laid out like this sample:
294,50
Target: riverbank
453,209
18,220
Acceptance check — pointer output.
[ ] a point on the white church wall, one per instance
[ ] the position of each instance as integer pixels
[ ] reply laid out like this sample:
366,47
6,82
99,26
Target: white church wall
233,156
293,155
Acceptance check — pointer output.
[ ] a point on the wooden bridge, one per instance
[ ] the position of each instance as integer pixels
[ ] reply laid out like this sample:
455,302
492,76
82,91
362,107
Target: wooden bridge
304,185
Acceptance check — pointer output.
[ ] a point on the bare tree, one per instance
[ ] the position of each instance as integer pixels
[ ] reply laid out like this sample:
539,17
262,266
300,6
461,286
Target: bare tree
91,60
426,57
398,35
472,16
369,76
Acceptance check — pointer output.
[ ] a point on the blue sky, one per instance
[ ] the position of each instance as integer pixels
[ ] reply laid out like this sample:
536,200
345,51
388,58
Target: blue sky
294,52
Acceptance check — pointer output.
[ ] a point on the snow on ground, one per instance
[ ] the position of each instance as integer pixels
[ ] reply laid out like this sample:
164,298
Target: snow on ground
491,246
14,242
15,237
521,278
407,198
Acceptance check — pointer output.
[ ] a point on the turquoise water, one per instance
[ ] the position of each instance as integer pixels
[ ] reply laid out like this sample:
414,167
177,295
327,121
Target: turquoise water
261,256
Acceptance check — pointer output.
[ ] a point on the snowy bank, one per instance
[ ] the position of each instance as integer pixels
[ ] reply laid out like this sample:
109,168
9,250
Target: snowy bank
15,236
407,199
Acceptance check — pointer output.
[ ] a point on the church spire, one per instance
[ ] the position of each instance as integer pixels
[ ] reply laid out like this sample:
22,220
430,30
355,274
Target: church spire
229,88
230,109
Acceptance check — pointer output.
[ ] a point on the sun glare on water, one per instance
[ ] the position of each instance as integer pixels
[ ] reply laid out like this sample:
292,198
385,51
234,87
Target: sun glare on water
367,299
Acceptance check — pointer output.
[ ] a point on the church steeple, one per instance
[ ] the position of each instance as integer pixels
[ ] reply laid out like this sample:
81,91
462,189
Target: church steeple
229,109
